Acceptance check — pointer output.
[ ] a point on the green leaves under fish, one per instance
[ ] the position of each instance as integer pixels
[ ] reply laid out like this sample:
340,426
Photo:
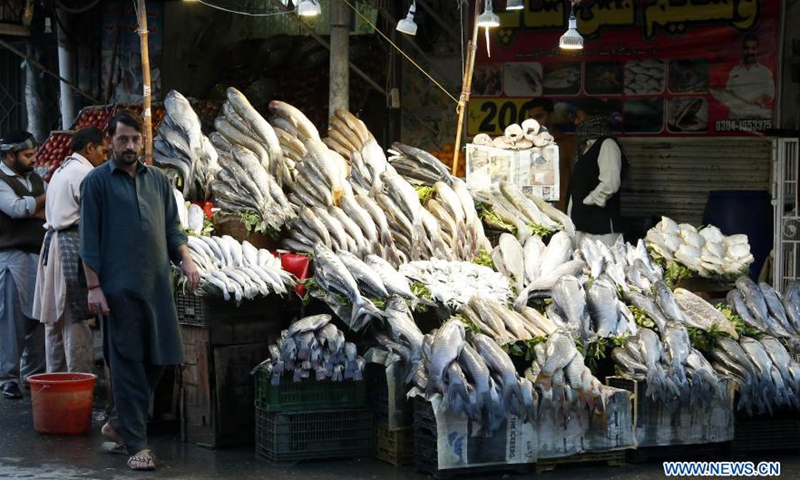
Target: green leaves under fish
705,340
743,329
421,291
642,319
523,348
424,193
484,258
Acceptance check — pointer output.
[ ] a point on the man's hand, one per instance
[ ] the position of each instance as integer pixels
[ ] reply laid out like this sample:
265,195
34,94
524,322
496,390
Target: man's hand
190,271
98,304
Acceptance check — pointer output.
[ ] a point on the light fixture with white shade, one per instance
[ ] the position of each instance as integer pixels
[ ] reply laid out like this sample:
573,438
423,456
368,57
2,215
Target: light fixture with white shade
488,19
515,4
571,40
309,8
407,25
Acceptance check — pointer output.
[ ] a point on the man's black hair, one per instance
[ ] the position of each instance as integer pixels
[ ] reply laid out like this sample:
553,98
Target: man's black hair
545,103
126,118
750,37
85,137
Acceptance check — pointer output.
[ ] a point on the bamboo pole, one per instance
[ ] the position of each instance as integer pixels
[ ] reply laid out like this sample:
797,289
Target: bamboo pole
466,87
147,114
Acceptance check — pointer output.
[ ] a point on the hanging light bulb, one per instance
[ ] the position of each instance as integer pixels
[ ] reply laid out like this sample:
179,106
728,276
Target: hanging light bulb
515,5
488,19
571,40
309,8
407,25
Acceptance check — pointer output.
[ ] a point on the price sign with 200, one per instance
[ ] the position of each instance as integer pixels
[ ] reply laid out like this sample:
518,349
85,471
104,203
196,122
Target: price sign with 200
492,116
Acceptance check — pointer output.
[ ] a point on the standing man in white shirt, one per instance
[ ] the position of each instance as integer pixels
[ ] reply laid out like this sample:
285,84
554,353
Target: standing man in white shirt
22,198
60,299
751,83
594,201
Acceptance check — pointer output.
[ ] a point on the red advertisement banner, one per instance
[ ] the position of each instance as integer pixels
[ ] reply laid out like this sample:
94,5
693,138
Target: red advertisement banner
666,67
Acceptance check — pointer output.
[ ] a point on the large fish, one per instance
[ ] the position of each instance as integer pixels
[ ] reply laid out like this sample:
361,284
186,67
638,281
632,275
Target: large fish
603,306
446,348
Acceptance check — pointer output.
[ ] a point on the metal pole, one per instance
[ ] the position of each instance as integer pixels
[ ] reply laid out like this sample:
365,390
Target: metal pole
466,87
339,83
65,70
325,44
147,114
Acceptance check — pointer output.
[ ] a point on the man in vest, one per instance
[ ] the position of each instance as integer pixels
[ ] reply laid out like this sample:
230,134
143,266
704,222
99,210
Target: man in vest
22,199
60,300
594,202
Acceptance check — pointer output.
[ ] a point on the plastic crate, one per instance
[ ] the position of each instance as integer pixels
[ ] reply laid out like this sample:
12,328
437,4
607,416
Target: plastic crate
283,438
207,311
763,433
310,394
395,447
391,408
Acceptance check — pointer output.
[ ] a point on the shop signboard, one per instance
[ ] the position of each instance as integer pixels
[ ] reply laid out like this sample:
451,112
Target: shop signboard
666,67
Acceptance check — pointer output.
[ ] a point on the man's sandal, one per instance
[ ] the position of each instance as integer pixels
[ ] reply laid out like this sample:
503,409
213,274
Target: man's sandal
141,463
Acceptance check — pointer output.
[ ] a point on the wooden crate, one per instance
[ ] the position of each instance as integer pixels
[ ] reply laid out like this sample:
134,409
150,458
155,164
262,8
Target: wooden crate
614,458
217,390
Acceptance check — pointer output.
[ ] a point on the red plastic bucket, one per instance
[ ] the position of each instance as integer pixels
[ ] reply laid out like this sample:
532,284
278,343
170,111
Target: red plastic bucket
62,402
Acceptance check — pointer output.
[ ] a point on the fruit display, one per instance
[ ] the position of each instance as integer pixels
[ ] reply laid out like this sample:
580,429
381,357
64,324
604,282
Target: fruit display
53,151
97,116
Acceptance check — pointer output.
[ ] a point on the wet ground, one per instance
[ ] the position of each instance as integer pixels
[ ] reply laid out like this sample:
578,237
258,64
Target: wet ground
26,454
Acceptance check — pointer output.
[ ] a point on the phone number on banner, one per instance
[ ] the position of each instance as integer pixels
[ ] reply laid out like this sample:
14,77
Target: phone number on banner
493,115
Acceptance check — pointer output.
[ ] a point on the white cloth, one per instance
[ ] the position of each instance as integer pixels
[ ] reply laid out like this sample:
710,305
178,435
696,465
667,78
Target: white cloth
751,82
50,294
62,210
63,203
21,266
69,346
12,205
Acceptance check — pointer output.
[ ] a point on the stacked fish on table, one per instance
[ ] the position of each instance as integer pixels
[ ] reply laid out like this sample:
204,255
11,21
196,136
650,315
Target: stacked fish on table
181,147
562,380
452,205
476,379
359,281
238,270
313,346
535,268
762,308
707,252
418,166
767,375
496,320
252,164
511,210
674,371
452,284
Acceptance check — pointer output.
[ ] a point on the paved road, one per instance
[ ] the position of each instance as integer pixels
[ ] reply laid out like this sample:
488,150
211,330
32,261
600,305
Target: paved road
25,454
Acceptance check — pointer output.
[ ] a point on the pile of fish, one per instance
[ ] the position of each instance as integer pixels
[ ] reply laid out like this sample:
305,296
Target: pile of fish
418,166
313,345
181,147
765,372
252,164
562,380
350,138
343,273
523,136
477,379
400,335
674,371
452,206
510,210
191,216
765,310
535,268
629,266
228,267
239,124
319,175
496,320
706,252
452,284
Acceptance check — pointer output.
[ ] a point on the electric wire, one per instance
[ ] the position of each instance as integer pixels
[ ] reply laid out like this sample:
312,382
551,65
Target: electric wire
439,85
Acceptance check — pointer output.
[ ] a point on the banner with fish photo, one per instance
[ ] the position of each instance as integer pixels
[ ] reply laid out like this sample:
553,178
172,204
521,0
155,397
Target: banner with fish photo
666,67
